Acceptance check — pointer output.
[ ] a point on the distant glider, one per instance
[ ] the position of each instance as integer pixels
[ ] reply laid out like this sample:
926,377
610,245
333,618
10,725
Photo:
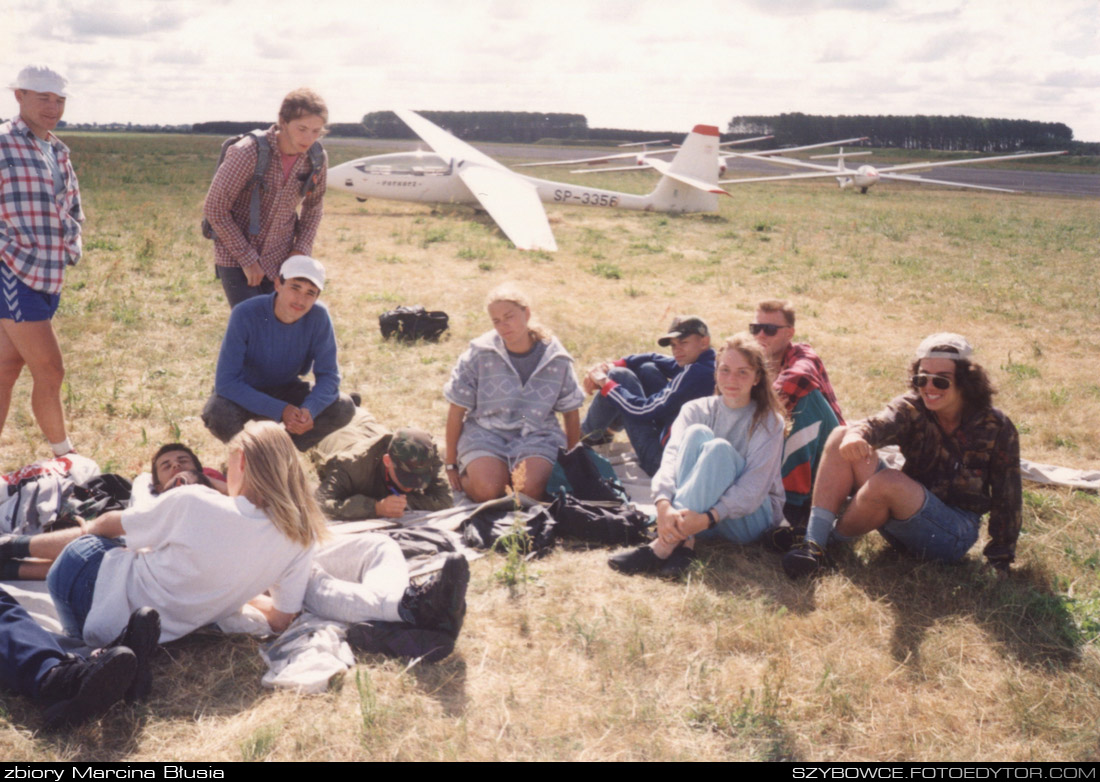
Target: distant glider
459,174
866,176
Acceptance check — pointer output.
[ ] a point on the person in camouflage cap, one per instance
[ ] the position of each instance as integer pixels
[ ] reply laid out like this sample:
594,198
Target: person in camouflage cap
367,471
962,460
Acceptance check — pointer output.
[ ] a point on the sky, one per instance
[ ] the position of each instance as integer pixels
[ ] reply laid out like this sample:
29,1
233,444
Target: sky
622,63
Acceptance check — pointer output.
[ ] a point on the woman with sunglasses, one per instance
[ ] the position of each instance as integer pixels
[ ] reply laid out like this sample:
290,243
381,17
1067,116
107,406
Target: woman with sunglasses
962,460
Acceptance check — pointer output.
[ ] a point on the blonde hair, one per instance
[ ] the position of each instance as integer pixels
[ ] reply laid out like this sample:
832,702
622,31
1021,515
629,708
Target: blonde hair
274,481
513,294
762,392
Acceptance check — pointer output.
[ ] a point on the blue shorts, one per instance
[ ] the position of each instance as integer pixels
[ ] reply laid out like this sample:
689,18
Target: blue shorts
937,531
22,303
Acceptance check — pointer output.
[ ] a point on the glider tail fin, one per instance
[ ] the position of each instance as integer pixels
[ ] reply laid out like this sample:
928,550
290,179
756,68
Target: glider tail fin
690,182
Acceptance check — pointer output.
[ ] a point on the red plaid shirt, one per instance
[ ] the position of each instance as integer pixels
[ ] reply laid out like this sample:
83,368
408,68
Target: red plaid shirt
282,233
801,372
39,231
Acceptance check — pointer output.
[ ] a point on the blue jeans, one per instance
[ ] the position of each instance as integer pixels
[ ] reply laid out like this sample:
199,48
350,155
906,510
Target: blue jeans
27,651
645,436
72,577
707,466
937,531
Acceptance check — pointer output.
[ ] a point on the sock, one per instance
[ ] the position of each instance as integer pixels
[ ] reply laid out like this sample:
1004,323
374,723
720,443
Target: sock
820,525
15,547
61,448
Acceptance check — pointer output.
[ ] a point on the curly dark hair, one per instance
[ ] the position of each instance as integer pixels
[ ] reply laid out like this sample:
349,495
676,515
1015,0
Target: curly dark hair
973,383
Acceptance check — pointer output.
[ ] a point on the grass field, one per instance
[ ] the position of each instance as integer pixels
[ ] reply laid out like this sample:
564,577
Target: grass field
881,659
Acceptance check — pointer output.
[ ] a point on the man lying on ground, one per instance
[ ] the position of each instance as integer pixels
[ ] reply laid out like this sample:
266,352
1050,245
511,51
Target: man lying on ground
962,459
174,464
369,472
644,392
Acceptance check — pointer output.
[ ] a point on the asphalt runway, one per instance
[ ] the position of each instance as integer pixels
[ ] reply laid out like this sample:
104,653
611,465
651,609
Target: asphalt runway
1043,182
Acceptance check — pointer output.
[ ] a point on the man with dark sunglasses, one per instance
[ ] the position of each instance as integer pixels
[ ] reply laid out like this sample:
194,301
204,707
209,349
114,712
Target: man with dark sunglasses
803,385
962,460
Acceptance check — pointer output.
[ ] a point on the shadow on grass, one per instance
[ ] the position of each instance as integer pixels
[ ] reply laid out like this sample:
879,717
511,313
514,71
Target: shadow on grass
742,570
1022,612
208,675
446,682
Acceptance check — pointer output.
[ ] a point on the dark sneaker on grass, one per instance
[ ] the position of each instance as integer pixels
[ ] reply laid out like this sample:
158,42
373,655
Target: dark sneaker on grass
75,690
678,563
785,538
141,636
440,602
400,639
805,559
636,560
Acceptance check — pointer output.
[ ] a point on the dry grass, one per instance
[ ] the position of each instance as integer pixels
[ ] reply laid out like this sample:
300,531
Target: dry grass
882,659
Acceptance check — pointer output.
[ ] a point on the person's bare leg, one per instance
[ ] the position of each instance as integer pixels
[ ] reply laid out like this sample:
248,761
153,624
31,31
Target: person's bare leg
485,479
11,365
36,343
34,571
535,477
888,494
49,545
837,478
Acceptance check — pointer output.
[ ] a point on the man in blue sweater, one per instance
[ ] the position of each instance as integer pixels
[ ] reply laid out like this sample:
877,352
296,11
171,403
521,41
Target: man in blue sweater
270,342
643,393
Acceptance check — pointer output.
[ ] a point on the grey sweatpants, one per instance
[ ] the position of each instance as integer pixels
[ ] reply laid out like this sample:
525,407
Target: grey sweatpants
358,578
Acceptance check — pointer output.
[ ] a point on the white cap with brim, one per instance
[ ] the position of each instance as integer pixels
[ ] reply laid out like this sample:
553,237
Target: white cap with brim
40,78
951,346
304,267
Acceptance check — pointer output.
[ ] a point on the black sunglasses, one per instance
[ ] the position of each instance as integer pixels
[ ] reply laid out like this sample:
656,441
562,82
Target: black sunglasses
770,329
938,381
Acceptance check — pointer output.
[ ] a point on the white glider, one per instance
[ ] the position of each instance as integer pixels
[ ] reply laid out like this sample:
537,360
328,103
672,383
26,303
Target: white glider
457,173
867,176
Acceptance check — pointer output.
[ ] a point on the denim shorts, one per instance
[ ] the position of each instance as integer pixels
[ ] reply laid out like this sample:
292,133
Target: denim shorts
22,303
937,531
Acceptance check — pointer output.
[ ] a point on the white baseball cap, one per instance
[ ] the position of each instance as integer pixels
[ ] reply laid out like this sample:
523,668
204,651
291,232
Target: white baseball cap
305,267
41,78
952,346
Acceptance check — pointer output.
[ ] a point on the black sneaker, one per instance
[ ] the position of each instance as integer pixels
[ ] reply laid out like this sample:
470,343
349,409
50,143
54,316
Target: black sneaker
784,538
805,559
599,437
400,639
678,562
636,560
440,602
142,634
75,690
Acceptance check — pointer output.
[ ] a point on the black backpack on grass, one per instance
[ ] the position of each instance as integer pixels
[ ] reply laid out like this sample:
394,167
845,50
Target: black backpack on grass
409,324
316,155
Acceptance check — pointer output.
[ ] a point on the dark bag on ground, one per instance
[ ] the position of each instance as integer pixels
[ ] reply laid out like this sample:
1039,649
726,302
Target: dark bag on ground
619,525
497,520
585,474
412,323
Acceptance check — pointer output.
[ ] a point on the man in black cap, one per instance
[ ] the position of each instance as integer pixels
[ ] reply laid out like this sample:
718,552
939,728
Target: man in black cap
643,393
369,472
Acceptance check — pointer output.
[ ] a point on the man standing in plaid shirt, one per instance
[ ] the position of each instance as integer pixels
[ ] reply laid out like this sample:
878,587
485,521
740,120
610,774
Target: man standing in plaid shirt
803,385
40,219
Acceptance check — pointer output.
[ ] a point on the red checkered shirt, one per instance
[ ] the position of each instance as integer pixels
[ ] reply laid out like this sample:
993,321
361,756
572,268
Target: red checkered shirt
282,232
39,230
801,372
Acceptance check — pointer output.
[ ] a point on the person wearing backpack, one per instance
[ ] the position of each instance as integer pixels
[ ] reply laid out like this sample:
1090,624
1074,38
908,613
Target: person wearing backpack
251,209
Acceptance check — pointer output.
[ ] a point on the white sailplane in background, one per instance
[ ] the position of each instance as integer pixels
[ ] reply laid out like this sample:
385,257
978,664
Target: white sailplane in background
867,176
456,173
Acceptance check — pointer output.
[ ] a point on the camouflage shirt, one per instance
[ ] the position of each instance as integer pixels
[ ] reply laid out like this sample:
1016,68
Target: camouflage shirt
976,468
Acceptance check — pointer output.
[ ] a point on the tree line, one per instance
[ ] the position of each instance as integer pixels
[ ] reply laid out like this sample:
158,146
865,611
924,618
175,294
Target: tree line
911,132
